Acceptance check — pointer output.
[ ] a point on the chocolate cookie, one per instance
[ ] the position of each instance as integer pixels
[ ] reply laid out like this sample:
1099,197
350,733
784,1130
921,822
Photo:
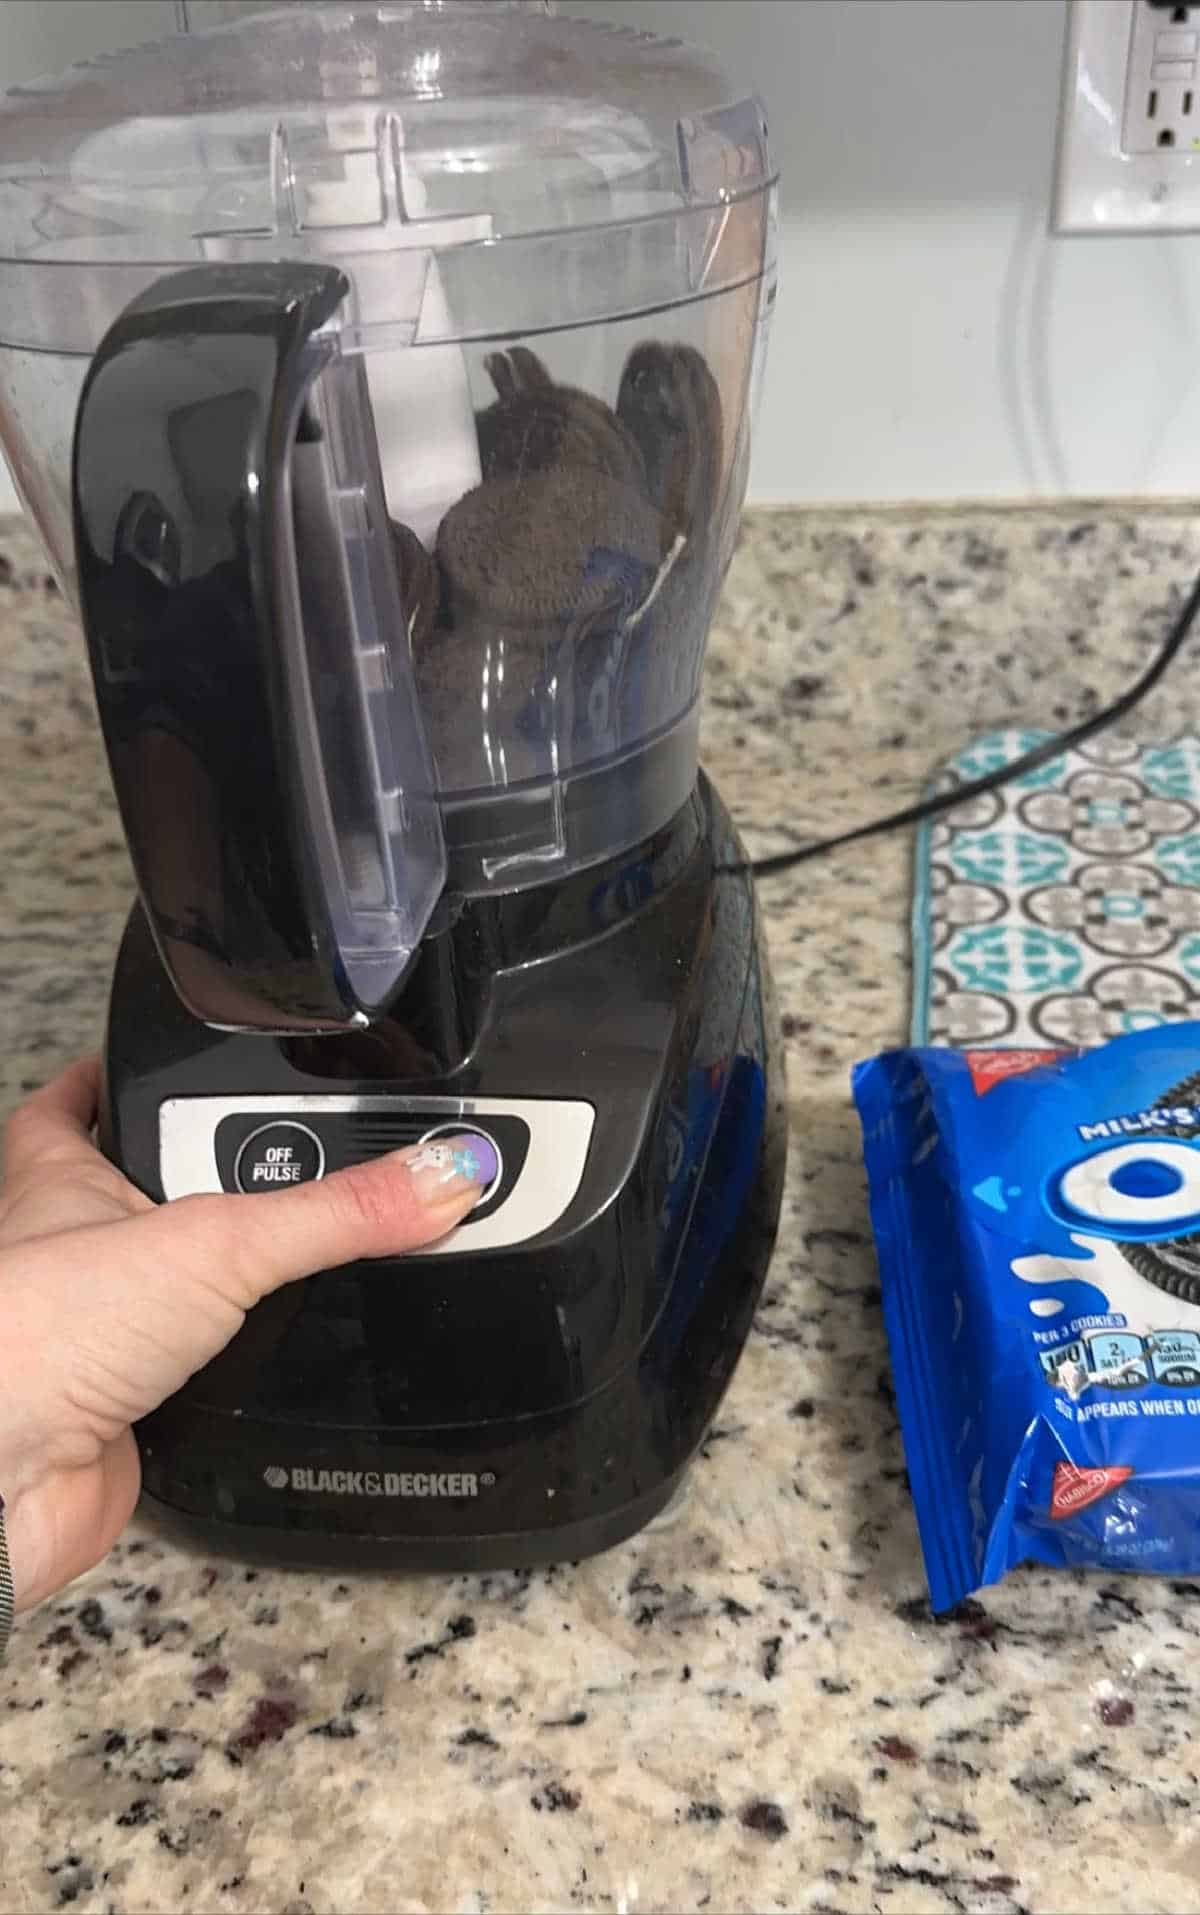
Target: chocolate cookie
536,424
541,574
671,405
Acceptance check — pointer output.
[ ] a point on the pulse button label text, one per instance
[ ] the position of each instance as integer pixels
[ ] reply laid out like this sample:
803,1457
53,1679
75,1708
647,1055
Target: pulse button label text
278,1155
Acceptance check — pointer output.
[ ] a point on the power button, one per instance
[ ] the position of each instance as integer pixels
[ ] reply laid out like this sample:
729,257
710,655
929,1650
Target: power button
278,1155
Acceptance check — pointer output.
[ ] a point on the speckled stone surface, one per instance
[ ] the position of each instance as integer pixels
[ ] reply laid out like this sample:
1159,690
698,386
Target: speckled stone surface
749,1706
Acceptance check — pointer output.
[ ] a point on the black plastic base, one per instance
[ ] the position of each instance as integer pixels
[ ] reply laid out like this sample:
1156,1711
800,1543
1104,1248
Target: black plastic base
552,1391
444,1555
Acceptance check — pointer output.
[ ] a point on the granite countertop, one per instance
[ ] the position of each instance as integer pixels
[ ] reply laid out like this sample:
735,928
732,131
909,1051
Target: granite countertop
749,1706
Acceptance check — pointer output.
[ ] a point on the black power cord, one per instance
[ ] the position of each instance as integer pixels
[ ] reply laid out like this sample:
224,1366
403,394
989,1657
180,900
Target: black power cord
1042,754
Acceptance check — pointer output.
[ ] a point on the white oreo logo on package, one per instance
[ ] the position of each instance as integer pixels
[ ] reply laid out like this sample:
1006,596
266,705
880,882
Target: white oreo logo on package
1144,1190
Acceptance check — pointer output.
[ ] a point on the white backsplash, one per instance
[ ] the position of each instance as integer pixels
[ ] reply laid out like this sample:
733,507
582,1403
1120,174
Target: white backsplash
932,340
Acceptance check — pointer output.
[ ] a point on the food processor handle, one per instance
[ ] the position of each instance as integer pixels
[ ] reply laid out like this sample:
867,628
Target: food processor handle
239,596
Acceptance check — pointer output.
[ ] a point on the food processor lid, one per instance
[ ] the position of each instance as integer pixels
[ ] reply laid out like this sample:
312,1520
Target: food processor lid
344,128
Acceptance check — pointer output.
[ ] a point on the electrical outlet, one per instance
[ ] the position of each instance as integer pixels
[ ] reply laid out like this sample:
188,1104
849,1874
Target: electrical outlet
1161,94
1129,123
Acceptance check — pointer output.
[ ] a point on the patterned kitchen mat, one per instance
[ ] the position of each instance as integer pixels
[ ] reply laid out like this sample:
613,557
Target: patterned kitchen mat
1063,909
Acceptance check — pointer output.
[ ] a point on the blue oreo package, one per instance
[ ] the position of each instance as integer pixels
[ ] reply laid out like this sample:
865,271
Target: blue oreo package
1037,1217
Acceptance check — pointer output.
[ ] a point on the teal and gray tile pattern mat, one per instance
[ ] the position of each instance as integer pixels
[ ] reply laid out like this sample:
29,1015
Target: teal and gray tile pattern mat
1063,909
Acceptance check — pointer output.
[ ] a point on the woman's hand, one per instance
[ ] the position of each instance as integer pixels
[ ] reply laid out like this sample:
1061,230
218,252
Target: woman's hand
108,1303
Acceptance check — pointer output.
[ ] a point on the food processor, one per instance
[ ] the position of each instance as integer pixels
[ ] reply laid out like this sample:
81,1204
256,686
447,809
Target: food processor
380,380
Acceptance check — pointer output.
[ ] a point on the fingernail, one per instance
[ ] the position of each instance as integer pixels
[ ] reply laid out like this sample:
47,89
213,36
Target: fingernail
445,1169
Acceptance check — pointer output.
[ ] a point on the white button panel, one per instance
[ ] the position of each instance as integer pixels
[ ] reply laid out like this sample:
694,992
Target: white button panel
560,1132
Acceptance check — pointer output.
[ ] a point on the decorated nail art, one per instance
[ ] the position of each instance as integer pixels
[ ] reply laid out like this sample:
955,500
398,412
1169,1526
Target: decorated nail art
442,1167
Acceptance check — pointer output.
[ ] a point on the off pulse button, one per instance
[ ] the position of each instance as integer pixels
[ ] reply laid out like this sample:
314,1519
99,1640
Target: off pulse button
277,1156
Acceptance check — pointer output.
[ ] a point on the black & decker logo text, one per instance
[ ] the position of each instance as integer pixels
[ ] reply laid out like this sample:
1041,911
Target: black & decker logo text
365,1482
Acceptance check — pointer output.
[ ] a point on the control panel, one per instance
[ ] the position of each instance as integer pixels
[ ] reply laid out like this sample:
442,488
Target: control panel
540,1146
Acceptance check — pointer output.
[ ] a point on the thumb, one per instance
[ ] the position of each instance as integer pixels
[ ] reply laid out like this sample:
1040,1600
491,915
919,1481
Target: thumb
251,1245
120,1315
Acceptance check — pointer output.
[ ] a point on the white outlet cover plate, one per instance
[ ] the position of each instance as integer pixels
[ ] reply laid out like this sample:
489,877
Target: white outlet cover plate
1099,186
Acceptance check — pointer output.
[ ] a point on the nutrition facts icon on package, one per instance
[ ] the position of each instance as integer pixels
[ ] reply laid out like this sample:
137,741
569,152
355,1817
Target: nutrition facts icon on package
1065,1366
1175,1356
1118,1361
